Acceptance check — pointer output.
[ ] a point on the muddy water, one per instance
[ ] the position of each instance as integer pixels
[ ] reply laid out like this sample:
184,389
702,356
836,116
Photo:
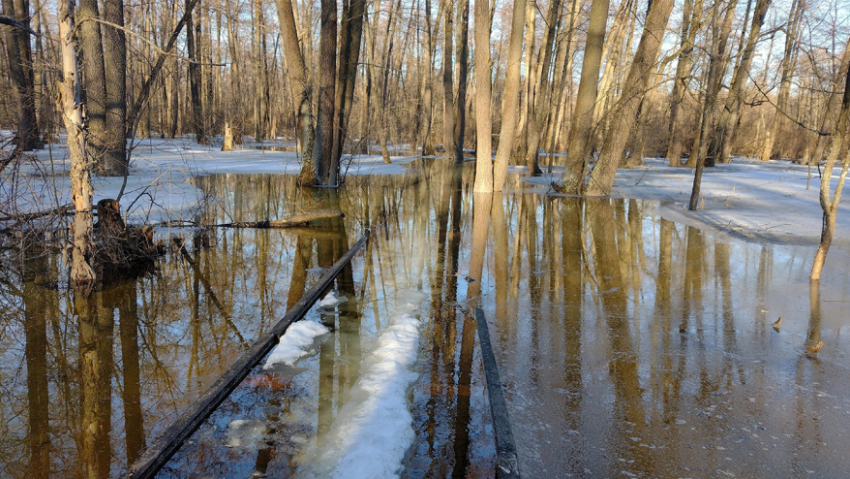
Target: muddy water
629,346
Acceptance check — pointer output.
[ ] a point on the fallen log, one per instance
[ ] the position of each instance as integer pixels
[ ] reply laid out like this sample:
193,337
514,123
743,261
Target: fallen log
303,219
507,463
162,448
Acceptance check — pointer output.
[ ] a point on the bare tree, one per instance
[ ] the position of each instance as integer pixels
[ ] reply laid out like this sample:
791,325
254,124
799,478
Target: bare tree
691,20
829,202
19,52
510,98
327,85
640,73
581,128
721,144
483,120
301,87
82,274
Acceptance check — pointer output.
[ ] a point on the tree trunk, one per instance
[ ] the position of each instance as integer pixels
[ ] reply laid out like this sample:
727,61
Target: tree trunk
640,73
716,68
300,88
193,29
114,161
82,273
510,98
448,87
675,130
788,61
483,121
830,205
541,99
721,145
427,85
21,72
581,128
94,76
327,84
462,77
351,34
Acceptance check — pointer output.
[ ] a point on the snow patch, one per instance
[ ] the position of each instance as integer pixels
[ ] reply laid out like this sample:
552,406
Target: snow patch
332,300
374,429
295,343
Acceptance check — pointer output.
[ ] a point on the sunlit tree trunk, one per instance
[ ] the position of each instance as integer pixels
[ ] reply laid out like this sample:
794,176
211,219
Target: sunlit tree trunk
483,120
581,127
539,102
300,87
640,73
510,98
82,274
716,67
427,84
828,202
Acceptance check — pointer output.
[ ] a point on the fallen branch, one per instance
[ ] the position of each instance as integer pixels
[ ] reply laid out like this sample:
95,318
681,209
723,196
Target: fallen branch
297,220
39,214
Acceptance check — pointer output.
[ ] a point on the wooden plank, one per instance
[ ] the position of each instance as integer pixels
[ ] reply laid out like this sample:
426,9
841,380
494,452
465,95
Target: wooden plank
507,464
161,450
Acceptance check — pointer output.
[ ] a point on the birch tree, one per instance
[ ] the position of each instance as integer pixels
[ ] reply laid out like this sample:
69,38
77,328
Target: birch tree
82,273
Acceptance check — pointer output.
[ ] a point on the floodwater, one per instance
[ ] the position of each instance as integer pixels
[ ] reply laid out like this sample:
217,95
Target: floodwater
628,345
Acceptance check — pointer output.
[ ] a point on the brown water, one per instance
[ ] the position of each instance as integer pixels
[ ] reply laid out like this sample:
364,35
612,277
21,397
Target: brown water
629,346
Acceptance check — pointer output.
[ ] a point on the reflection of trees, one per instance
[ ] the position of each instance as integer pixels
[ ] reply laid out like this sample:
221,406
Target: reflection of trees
572,231
39,302
623,360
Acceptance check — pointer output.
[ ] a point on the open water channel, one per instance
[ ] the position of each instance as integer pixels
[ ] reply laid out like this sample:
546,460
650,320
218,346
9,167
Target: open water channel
628,345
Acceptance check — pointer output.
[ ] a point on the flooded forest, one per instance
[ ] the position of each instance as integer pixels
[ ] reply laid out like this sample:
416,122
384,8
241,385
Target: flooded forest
424,239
